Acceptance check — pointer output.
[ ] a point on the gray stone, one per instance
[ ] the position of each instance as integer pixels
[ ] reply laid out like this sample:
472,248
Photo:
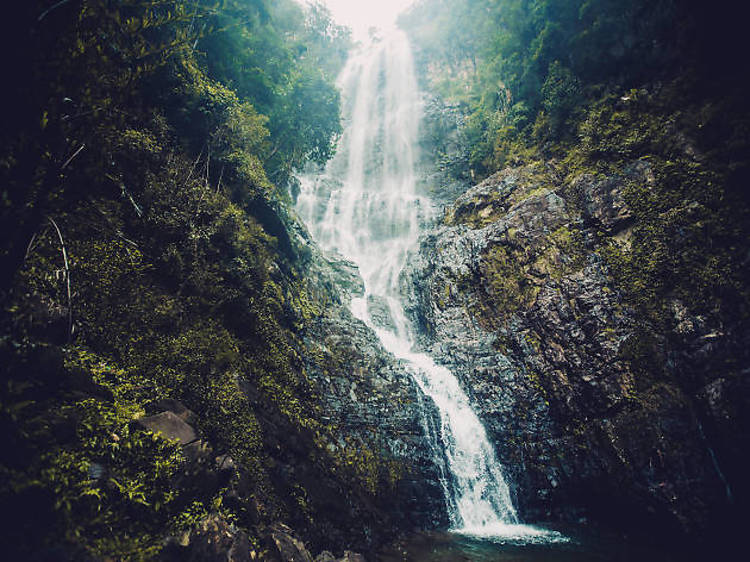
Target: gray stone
225,462
196,451
375,405
169,425
213,540
174,406
289,547
379,312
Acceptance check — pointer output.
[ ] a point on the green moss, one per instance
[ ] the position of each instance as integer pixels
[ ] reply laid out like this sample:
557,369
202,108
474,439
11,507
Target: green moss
670,253
507,284
568,247
527,181
684,243
533,376
512,276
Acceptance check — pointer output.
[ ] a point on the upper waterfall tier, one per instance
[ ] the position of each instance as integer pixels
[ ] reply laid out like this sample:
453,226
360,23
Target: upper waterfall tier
366,206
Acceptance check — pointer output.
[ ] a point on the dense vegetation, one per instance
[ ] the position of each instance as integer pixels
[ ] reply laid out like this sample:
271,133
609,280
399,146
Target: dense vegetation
526,70
146,154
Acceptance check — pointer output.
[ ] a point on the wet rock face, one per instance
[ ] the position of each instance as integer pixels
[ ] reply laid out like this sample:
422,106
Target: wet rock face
373,475
374,403
512,294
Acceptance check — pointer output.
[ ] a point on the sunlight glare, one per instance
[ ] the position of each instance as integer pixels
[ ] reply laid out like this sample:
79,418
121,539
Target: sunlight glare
361,15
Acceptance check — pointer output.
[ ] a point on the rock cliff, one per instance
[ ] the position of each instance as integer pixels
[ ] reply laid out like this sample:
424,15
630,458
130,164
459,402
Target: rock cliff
594,414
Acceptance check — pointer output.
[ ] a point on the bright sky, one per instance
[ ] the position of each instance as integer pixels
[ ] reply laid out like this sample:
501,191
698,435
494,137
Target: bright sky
360,15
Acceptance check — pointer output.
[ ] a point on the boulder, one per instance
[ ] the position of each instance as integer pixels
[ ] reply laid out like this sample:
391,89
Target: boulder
174,406
348,556
289,547
212,539
170,425
196,451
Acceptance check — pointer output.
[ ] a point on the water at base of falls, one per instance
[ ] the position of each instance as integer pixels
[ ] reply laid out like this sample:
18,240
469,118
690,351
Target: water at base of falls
585,545
366,207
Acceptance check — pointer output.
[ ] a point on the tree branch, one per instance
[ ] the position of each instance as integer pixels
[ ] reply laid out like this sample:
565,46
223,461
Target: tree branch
67,278
53,7
69,160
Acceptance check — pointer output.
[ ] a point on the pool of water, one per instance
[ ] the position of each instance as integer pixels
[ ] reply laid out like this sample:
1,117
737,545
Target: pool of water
565,545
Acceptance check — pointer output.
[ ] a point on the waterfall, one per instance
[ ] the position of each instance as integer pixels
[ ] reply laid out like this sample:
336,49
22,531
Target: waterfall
365,206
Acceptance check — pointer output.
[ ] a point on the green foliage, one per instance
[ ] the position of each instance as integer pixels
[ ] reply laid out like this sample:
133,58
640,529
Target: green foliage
530,66
284,66
560,94
119,512
627,127
111,486
148,131
305,122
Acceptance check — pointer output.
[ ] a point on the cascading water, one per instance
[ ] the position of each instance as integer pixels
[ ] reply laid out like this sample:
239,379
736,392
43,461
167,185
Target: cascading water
365,206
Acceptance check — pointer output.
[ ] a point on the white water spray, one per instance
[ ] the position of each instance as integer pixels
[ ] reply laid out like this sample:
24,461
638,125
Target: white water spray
365,206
